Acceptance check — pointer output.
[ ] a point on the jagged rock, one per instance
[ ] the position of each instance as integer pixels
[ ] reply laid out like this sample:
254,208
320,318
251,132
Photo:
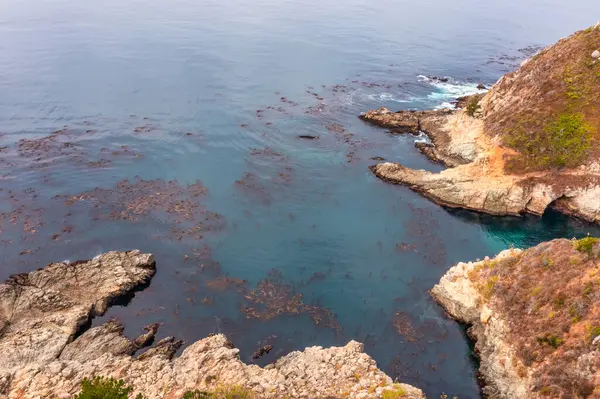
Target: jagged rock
530,312
146,339
43,310
262,351
45,351
397,122
165,348
481,87
428,150
435,124
107,338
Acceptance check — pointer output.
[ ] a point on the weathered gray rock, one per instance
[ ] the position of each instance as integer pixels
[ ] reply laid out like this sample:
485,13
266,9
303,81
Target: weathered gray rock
43,353
397,122
445,149
463,301
42,311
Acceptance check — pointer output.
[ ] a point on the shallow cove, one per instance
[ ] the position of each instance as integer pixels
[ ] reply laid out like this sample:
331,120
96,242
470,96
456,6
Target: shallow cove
193,91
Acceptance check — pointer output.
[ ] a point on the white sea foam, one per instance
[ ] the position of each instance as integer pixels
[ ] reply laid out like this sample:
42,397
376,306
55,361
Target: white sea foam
422,138
451,89
386,97
444,105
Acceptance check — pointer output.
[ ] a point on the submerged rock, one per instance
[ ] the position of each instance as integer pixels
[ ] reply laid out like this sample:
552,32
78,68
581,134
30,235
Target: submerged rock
506,149
46,350
534,315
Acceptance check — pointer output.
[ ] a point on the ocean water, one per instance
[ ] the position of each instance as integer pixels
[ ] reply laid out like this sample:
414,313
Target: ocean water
295,243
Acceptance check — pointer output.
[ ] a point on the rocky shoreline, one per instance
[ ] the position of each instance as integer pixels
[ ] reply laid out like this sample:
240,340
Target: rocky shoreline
490,168
48,348
534,316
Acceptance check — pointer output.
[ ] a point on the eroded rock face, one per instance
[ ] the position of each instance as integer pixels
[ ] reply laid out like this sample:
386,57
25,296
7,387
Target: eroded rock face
45,353
476,187
41,311
447,147
533,315
484,174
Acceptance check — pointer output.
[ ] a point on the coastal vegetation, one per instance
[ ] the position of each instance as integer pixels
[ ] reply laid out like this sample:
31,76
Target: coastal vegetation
221,392
105,388
394,392
585,244
473,106
554,123
548,295
564,141
528,144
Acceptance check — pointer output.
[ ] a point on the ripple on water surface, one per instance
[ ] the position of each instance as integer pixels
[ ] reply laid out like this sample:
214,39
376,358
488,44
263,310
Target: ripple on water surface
204,134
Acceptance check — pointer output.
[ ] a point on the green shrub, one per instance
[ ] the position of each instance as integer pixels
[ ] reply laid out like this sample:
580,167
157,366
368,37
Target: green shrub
473,106
550,339
585,244
563,142
559,300
574,313
222,392
396,392
196,394
487,289
104,388
593,332
547,262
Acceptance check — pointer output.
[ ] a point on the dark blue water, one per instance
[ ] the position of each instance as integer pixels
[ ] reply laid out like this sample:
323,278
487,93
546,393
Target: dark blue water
217,92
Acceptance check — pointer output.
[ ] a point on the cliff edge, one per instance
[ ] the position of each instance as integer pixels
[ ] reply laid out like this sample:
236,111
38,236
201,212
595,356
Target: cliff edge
535,317
531,142
47,347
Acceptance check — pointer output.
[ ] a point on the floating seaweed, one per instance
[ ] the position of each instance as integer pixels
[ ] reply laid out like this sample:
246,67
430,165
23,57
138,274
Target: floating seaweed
272,298
179,205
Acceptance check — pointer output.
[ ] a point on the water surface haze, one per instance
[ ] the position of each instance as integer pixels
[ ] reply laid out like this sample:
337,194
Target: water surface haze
172,127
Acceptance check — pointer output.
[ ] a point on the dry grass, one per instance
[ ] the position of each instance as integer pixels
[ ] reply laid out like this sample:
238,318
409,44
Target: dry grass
549,295
549,110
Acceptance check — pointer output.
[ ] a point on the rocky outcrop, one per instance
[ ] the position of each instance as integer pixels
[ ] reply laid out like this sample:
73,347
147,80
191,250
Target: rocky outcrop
47,347
436,124
523,147
534,316
476,187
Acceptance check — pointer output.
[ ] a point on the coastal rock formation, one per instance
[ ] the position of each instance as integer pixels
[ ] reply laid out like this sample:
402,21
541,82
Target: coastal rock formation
47,347
535,317
528,144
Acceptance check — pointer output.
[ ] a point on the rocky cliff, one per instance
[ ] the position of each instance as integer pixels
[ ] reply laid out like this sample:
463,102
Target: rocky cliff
47,347
531,142
535,317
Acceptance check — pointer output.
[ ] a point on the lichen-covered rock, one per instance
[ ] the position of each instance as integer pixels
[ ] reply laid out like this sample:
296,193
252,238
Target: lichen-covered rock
45,353
506,160
534,316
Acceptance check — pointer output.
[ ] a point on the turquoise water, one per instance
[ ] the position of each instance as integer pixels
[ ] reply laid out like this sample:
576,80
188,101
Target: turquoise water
196,91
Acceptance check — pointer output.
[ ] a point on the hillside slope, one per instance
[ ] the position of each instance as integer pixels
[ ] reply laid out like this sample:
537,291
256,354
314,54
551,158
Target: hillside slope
529,143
